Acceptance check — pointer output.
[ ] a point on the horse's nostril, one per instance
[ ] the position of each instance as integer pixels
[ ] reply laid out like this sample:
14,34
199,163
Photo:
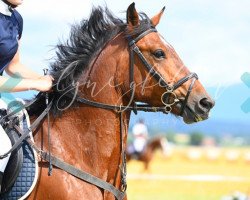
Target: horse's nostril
206,103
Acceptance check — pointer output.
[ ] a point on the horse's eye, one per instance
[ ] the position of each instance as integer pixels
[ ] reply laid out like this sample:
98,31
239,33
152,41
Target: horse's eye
159,54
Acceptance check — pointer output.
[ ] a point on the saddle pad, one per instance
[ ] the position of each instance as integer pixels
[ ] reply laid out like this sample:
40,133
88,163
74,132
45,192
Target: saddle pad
27,177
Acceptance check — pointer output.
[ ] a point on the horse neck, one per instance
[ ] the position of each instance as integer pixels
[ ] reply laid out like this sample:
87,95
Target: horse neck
103,81
89,137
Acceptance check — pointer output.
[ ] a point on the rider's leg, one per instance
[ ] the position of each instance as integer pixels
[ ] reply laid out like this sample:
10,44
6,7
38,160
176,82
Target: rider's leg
5,145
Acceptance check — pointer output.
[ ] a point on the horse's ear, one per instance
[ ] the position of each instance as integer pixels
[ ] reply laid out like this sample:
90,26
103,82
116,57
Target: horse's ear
156,19
132,16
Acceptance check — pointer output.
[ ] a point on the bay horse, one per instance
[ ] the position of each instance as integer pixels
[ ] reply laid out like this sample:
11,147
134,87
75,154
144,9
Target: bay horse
146,156
101,73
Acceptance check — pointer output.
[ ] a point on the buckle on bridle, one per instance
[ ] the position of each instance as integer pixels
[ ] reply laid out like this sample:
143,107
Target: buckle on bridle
165,99
119,109
168,109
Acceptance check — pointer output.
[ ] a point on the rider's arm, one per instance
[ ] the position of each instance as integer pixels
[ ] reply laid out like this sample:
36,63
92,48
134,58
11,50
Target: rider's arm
19,84
22,78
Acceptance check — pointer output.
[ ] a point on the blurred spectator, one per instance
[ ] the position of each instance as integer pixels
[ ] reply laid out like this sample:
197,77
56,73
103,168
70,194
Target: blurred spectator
140,133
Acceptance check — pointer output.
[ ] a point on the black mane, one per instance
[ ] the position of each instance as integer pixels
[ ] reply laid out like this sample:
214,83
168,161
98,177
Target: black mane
73,56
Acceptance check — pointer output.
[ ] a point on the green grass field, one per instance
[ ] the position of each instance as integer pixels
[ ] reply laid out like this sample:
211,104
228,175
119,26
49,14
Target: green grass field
179,178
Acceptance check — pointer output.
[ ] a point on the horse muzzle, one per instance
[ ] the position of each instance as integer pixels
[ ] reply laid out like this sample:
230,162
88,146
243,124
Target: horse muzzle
196,111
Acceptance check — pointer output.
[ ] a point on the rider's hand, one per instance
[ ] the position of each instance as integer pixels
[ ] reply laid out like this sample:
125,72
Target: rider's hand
44,83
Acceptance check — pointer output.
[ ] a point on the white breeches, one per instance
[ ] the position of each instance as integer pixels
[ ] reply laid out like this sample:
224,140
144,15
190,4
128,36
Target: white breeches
139,144
5,143
5,146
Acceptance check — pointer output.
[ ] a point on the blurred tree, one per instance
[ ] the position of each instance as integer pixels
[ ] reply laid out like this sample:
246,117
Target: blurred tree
196,138
171,137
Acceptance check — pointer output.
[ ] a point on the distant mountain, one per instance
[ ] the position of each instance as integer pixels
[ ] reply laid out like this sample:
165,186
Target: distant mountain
162,123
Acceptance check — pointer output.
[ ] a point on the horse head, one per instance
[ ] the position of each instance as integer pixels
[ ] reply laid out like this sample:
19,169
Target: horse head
157,76
135,60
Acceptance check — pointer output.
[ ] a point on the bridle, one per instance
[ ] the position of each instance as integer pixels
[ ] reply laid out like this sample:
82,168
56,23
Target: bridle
119,109
158,77
133,106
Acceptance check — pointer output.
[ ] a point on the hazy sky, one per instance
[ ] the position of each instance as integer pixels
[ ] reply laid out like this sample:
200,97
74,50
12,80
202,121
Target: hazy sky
211,36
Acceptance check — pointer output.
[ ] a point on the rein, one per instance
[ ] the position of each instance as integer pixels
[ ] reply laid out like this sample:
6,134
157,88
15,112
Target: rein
167,108
132,106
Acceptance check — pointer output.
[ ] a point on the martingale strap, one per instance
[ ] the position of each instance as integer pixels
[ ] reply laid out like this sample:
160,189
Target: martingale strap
73,170
83,175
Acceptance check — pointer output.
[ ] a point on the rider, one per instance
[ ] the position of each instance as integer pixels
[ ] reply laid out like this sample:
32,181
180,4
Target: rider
21,78
140,133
